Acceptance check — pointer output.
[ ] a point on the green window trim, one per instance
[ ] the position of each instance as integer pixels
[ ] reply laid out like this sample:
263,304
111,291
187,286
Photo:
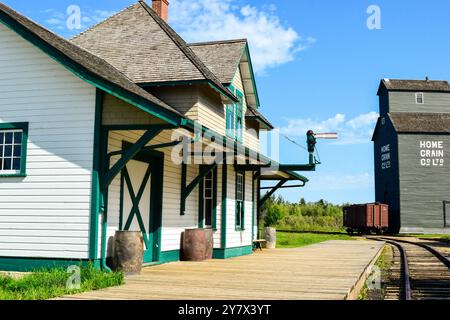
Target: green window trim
239,116
23,156
240,204
235,116
201,212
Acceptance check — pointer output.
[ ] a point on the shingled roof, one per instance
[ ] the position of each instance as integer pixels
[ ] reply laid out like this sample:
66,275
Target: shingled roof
252,113
146,49
88,65
415,85
221,57
407,122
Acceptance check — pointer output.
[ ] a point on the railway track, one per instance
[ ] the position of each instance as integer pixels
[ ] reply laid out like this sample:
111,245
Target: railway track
419,272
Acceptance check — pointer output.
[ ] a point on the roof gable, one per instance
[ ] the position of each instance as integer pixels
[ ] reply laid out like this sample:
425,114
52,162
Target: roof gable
146,49
221,57
225,59
86,65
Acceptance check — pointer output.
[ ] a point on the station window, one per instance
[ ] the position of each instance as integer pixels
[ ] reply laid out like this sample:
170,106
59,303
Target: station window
419,98
208,200
13,147
235,116
240,201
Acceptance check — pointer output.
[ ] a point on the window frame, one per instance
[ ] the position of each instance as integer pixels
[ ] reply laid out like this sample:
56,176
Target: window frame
239,110
417,98
235,118
230,121
201,204
240,215
23,157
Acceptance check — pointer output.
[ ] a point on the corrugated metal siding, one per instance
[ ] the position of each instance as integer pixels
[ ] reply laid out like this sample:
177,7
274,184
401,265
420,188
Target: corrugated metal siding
47,213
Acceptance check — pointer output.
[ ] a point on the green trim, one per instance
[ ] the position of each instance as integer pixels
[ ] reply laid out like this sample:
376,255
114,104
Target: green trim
188,83
88,76
240,227
35,264
152,237
24,145
187,190
169,256
129,154
172,83
253,207
223,220
252,73
208,133
237,110
271,192
201,213
230,123
239,113
232,252
255,88
95,183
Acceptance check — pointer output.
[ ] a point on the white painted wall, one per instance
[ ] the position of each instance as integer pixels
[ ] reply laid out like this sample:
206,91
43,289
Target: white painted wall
238,238
172,222
47,213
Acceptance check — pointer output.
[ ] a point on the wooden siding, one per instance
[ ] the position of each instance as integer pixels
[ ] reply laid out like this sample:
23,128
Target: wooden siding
46,214
172,223
387,179
211,111
118,112
200,103
434,102
238,238
182,98
422,188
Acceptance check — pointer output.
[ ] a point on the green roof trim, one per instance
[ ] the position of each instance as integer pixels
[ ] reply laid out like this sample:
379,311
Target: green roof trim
255,88
87,75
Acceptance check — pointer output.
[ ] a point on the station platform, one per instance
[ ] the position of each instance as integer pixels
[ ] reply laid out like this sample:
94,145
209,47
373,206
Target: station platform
332,270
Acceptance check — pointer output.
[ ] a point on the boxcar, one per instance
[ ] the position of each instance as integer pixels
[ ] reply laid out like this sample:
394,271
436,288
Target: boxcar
366,218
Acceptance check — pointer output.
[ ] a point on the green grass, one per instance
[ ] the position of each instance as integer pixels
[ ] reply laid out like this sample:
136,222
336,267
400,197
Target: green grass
384,264
49,284
296,240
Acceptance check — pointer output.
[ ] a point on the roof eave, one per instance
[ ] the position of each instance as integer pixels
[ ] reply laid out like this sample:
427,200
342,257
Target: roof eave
86,75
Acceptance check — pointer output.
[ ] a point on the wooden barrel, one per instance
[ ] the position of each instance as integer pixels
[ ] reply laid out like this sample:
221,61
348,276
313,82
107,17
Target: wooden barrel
197,244
128,252
209,236
270,235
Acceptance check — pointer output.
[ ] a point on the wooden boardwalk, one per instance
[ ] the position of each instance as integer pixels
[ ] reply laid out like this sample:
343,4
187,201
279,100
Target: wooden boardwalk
322,271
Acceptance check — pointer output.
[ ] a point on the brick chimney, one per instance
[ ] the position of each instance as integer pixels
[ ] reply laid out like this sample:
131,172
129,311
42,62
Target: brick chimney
162,8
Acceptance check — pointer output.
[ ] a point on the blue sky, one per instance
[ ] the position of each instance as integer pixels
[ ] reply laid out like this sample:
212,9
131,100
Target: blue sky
318,66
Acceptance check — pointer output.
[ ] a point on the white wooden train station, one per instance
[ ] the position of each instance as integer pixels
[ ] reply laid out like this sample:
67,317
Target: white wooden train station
87,131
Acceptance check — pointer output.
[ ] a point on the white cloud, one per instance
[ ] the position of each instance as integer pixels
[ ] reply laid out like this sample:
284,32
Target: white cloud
58,20
357,130
272,42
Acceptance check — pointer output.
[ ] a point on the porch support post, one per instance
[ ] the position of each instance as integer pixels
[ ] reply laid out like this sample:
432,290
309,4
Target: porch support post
271,192
258,196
